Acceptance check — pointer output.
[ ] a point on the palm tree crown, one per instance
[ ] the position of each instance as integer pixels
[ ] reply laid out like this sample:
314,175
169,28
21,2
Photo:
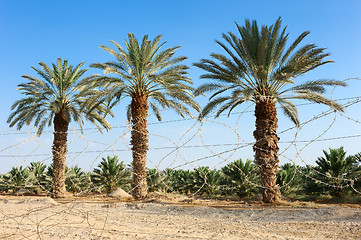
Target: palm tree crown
142,70
59,90
258,68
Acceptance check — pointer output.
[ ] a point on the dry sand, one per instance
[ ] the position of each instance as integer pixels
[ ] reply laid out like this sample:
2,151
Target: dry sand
170,217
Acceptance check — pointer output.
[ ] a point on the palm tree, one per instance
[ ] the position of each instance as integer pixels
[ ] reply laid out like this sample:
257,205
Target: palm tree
159,180
335,171
150,78
182,180
77,180
3,183
357,181
57,97
111,174
205,180
17,178
37,175
258,69
289,178
241,178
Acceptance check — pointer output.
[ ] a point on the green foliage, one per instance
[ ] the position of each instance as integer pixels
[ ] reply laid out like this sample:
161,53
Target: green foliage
3,184
311,186
50,176
111,174
61,92
17,178
76,180
257,67
154,180
205,180
38,177
288,178
240,178
159,180
357,180
334,173
358,157
181,180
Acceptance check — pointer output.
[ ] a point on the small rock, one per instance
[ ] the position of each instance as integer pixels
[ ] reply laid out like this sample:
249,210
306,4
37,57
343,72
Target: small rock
119,193
23,192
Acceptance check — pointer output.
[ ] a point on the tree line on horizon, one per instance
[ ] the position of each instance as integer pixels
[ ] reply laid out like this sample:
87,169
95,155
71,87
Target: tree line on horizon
256,66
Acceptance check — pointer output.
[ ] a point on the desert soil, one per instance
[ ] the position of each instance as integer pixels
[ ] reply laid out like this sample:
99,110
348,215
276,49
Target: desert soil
173,217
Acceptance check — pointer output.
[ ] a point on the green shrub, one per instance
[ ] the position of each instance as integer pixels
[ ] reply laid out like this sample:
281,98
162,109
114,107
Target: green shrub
111,174
240,178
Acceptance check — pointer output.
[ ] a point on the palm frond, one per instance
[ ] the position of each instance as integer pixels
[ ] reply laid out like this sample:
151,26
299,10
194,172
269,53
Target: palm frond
290,110
318,98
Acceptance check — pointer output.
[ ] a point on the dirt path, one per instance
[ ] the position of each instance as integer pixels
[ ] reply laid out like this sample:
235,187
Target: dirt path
172,218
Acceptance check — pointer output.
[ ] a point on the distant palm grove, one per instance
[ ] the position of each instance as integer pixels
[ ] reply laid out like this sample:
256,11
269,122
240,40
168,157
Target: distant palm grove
255,66
335,175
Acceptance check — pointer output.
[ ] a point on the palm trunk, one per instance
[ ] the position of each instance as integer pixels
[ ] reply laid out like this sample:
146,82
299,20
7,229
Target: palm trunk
59,150
266,149
139,142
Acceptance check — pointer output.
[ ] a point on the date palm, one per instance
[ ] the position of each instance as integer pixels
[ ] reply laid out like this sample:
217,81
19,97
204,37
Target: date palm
159,180
289,178
111,174
37,175
182,180
3,183
205,180
257,67
336,170
241,178
57,98
17,178
77,180
357,181
150,78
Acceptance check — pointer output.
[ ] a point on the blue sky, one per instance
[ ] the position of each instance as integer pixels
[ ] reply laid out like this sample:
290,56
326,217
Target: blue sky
35,31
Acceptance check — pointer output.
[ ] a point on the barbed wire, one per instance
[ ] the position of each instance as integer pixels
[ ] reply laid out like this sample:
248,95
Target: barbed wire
20,132
322,114
177,159
191,146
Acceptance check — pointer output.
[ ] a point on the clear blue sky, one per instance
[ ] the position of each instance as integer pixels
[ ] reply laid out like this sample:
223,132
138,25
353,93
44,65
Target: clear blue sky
35,31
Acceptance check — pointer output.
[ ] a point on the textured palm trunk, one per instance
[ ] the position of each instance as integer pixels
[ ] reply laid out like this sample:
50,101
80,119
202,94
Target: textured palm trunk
59,150
139,142
266,149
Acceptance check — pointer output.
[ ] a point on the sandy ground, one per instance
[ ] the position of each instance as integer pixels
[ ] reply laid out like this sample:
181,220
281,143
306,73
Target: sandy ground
169,217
